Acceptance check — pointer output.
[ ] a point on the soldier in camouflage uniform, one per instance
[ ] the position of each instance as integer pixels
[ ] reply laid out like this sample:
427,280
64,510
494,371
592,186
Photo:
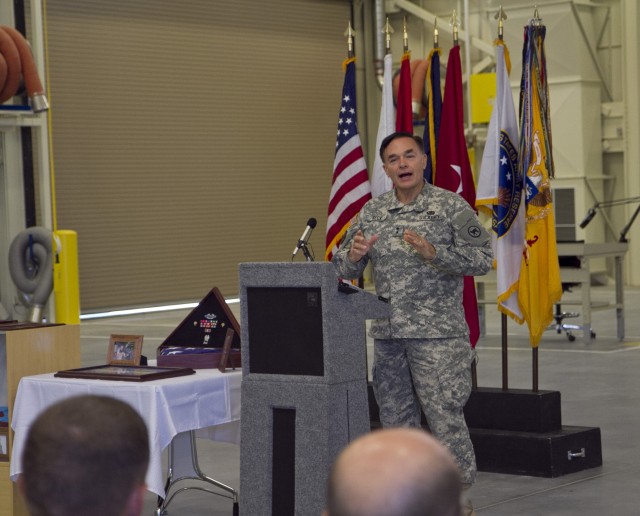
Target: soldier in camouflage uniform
421,240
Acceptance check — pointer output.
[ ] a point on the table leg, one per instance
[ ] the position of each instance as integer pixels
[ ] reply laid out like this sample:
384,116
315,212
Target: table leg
619,297
586,303
183,465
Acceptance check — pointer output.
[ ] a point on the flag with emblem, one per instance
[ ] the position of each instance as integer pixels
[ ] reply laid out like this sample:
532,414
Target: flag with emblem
500,189
404,115
539,287
380,182
350,187
453,170
432,116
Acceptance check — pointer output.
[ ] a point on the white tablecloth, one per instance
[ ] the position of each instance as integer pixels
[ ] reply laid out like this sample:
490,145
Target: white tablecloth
207,400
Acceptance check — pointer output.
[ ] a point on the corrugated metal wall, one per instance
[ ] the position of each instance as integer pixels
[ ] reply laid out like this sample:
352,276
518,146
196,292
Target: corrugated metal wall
189,137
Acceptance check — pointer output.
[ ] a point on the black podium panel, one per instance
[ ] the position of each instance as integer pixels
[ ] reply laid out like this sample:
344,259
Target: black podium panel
285,330
551,454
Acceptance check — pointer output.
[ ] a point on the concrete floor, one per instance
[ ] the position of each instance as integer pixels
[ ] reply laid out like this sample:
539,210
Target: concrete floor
599,385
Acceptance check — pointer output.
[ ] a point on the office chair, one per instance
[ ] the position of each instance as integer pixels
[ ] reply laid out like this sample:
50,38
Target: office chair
560,316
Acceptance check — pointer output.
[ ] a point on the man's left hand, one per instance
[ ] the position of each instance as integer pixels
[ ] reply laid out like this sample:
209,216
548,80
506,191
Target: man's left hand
420,244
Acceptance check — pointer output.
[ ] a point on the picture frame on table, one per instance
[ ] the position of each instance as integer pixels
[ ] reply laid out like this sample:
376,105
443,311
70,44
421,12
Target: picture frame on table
4,443
124,350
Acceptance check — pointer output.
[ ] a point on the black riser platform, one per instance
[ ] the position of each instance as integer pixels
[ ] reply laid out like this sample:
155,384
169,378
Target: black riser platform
514,409
552,454
520,432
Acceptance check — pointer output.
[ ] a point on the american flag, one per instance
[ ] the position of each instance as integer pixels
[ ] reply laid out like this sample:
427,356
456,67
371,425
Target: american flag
350,187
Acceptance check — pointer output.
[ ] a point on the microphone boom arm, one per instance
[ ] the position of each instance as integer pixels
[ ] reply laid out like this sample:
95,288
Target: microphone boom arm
615,202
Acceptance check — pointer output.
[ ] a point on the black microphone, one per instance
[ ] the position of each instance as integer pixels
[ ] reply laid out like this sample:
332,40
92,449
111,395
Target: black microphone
311,223
589,217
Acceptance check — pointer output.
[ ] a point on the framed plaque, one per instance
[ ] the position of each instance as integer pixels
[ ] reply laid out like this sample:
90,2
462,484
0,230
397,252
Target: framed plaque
125,373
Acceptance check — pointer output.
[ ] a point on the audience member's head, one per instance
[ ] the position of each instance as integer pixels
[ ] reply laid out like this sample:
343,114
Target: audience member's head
86,455
394,472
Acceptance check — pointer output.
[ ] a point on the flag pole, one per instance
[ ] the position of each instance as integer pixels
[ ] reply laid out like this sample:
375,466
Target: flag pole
387,31
404,109
454,26
474,372
435,32
536,21
349,33
405,36
501,16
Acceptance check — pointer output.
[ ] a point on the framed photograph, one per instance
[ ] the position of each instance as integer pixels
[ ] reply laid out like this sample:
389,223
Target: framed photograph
4,444
125,373
125,350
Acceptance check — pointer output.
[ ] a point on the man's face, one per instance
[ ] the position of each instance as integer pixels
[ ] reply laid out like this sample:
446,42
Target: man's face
404,163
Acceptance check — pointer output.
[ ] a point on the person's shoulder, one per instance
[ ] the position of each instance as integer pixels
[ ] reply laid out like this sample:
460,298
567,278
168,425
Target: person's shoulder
376,203
446,196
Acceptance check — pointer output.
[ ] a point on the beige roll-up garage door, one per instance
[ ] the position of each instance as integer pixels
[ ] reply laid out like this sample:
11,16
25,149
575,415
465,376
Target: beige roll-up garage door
190,136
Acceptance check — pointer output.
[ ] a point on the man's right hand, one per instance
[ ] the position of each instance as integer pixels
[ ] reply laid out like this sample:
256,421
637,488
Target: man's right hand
360,246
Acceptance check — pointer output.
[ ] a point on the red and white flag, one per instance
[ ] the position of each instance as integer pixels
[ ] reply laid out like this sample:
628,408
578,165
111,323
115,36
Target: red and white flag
453,170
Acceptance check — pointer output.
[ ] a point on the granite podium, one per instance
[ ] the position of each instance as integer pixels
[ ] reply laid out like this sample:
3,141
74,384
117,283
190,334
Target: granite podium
304,386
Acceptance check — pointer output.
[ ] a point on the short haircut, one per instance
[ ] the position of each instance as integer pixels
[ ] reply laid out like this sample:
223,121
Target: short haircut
400,134
84,455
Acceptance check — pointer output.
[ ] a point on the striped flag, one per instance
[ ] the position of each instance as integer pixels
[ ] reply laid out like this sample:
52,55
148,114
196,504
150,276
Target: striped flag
404,116
500,189
539,287
434,112
380,182
350,188
453,170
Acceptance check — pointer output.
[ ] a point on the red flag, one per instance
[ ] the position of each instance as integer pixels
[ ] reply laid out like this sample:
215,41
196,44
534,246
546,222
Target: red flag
453,170
404,116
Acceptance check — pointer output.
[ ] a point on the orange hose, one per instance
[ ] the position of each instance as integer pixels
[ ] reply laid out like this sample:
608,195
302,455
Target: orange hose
9,51
29,70
17,53
418,77
3,70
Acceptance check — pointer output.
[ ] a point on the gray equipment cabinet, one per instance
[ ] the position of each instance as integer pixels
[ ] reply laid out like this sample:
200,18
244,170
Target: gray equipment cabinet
304,387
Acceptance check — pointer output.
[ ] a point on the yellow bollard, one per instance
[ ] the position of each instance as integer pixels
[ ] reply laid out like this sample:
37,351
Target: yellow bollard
66,287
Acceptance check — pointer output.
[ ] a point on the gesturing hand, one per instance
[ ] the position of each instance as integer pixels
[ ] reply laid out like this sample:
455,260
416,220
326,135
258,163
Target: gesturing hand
420,244
360,246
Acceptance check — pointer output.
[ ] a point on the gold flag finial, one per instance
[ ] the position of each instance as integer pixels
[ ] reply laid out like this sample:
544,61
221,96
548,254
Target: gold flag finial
454,26
387,31
435,32
500,16
405,36
350,33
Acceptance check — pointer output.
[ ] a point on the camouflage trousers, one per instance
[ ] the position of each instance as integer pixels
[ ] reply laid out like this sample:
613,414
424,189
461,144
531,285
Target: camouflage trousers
433,375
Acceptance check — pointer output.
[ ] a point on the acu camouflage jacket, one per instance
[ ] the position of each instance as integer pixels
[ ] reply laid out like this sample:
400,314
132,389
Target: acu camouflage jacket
425,297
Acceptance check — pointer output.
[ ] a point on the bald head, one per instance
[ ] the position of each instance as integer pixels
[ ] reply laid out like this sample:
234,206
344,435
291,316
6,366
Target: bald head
394,472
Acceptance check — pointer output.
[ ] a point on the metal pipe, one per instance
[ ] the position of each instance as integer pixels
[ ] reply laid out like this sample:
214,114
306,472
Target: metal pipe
429,17
380,43
592,53
467,62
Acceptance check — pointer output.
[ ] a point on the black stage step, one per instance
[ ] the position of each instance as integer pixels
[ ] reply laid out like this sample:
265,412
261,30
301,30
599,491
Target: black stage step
520,432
